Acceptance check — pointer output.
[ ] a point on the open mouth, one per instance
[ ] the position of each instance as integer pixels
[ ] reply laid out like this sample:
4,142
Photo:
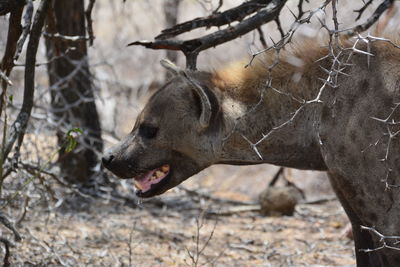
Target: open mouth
151,180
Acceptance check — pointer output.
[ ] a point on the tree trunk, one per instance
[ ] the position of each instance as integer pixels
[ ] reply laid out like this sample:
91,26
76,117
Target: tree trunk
71,89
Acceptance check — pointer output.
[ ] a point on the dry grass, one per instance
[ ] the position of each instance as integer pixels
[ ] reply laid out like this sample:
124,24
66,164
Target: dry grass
99,234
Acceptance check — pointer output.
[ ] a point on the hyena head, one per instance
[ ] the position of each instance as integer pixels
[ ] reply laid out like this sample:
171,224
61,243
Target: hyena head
176,135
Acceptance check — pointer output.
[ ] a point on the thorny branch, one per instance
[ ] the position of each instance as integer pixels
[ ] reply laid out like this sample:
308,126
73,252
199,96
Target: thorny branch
340,58
383,239
287,38
264,12
388,122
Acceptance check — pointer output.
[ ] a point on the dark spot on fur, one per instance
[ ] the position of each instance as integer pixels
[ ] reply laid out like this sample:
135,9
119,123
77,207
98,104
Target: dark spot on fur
364,86
396,259
385,261
366,165
360,203
372,216
353,135
387,101
349,192
361,121
338,106
350,104
341,151
326,113
353,160
361,193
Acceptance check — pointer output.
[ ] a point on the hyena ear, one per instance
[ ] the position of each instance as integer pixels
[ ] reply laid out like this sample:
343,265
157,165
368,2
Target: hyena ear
206,110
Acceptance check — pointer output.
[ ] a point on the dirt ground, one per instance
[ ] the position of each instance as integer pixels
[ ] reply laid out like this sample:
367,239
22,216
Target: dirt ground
173,230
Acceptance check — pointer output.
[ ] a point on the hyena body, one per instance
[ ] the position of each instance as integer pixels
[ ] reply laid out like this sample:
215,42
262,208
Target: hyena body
346,127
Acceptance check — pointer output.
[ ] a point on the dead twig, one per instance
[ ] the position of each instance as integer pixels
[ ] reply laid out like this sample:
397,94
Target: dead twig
89,21
23,212
6,222
276,176
199,249
362,9
130,243
7,245
234,210
300,8
7,63
25,29
386,4
319,200
5,78
213,198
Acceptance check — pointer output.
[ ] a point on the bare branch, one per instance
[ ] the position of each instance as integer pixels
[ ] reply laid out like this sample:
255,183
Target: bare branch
19,126
371,20
7,63
6,222
191,48
217,19
7,245
261,37
278,23
300,8
26,28
5,78
89,21
7,6
362,9
220,3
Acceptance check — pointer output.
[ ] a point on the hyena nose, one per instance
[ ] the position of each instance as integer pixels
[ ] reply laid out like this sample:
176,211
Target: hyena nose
107,159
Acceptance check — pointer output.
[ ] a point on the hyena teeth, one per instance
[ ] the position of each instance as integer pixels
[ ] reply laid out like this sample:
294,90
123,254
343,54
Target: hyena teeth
138,185
165,168
159,174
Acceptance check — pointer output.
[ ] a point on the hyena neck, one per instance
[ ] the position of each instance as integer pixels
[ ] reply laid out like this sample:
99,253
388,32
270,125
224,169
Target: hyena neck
255,106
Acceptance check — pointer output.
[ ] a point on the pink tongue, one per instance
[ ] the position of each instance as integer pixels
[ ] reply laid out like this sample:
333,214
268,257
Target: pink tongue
145,182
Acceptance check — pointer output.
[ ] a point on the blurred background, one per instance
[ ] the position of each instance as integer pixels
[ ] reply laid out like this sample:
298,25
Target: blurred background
63,225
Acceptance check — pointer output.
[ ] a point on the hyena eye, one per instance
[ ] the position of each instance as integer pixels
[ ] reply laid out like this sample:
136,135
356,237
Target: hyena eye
147,131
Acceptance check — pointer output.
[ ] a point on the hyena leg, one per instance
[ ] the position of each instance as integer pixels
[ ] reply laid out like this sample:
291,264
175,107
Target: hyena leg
362,239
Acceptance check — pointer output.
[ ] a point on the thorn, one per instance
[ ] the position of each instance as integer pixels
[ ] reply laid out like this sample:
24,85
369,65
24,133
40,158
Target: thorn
362,52
294,15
